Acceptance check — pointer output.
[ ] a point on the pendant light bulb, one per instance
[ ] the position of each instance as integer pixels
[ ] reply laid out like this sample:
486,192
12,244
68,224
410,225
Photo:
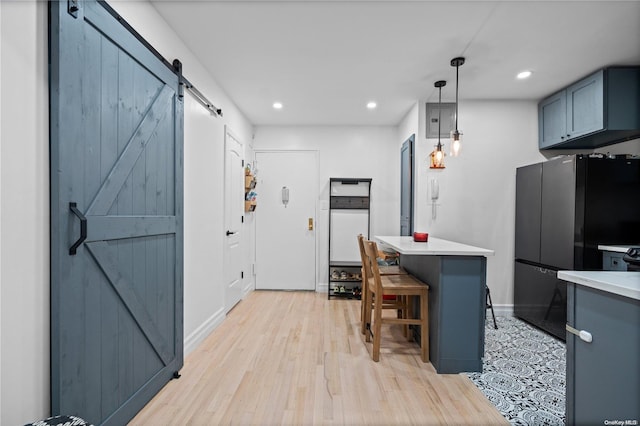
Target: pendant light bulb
456,135
437,156
456,139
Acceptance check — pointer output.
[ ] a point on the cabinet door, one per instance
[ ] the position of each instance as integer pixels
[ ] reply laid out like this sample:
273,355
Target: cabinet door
585,111
612,261
528,198
552,117
602,376
558,213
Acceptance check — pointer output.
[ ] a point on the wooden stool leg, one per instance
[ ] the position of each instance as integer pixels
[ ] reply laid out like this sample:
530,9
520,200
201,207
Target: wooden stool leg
363,307
424,326
367,315
377,326
408,313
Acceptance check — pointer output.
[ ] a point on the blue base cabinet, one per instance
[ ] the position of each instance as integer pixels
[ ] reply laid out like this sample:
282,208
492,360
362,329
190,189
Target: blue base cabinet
456,309
603,376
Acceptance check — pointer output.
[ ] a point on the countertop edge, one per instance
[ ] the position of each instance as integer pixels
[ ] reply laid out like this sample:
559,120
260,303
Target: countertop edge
615,248
466,250
601,280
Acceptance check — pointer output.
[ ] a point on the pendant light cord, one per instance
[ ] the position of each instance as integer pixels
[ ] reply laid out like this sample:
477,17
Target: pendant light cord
439,116
439,84
457,67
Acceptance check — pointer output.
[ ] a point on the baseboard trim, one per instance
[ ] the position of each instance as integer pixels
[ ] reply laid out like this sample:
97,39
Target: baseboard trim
503,310
248,289
194,339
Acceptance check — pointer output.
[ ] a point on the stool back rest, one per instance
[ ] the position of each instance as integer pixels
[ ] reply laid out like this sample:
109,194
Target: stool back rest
371,266
363,257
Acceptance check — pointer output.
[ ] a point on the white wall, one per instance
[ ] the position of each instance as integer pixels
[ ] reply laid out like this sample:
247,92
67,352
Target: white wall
409,125
477,189
0,212
345,152
24,207
24,198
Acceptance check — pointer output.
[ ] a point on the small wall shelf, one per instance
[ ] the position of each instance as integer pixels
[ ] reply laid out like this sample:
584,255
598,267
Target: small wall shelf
249,183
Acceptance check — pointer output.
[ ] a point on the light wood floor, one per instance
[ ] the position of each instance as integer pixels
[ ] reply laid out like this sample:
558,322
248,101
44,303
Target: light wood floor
297,358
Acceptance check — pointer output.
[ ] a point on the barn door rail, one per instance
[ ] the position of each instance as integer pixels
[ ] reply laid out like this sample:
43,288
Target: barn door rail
176,67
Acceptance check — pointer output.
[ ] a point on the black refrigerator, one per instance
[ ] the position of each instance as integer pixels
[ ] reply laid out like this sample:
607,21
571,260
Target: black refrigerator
565,208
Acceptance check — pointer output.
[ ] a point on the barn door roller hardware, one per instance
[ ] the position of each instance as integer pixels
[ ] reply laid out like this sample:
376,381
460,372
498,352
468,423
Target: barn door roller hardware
202,99
73,7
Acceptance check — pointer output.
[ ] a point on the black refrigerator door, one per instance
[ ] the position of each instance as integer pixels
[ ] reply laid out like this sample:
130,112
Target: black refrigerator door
557,228
610,212
528,199
540,298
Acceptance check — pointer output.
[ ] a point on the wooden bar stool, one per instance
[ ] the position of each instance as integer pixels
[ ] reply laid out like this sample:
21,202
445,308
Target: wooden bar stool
398,285
389,303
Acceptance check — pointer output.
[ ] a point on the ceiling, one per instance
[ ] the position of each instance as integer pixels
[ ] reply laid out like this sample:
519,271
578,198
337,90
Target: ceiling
324,60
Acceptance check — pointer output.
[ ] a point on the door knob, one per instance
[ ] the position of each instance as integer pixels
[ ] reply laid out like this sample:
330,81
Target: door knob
310,224
230,233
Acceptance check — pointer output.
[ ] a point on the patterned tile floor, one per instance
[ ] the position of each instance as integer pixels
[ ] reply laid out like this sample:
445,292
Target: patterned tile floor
524,373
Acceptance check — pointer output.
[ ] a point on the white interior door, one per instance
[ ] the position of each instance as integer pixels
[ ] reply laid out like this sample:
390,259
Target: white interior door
285,244
233,213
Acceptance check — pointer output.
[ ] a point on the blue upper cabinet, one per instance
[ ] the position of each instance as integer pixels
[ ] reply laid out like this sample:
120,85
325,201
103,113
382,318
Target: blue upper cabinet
599,110
585,112
552,120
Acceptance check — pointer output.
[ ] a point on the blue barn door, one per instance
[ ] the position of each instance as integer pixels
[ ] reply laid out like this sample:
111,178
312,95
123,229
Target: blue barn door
116,133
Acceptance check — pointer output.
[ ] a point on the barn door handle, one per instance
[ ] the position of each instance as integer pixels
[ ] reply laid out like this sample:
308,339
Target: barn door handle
83,228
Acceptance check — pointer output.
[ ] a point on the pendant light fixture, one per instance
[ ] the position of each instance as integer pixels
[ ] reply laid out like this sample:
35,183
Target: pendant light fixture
437,156
456,135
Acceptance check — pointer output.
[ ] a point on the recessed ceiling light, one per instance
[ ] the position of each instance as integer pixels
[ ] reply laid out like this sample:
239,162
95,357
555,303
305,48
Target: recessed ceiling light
524,74
372,105
277,105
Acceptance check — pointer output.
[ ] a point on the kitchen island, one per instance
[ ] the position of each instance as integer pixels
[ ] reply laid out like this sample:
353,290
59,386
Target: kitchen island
457,275
603,346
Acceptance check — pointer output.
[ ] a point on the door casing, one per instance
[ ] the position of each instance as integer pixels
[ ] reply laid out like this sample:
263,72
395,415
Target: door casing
233,218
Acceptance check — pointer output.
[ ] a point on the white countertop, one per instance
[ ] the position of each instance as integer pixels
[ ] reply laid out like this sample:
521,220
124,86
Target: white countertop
616,248
617,282
434,247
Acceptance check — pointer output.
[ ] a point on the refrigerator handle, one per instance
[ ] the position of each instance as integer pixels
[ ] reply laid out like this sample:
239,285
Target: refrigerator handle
547,271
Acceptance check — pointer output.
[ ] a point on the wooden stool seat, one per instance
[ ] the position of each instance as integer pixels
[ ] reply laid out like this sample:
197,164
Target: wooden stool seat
392,270
398,285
